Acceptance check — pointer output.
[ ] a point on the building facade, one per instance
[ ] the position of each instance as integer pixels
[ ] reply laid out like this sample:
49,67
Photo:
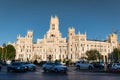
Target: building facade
54,47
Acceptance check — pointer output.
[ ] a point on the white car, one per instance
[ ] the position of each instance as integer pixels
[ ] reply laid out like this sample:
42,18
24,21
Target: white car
116,66
84,65
56,67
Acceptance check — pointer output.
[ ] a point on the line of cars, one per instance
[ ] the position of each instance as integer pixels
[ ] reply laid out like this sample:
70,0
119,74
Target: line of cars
89,66
112,67
58,67
17,66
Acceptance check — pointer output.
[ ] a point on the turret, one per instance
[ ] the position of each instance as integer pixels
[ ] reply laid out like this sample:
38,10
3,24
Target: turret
54,23
71,32
29,34
113,39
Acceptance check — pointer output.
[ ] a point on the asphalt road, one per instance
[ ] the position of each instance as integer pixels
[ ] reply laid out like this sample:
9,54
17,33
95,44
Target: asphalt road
72,74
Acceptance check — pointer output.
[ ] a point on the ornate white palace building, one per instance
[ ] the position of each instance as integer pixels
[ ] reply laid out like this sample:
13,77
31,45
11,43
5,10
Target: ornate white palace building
74,47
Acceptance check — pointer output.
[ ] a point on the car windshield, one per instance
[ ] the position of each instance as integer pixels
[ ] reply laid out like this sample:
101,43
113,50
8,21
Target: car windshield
16,64
57,63
118,64
26,63
49,63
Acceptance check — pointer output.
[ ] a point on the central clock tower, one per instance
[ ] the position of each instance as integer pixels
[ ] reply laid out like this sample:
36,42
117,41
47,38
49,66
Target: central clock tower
54,23
53,32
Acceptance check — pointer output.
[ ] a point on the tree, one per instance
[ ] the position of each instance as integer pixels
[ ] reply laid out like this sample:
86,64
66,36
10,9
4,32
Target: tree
93,55
10,52
115,55
2,51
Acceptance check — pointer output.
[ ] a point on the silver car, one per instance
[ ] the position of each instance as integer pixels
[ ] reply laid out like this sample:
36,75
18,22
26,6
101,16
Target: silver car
116,66
56,67
84,65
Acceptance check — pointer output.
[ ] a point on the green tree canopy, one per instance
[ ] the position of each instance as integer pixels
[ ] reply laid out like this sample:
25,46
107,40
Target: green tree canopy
10,52
0,52
93,55
7,52
116,55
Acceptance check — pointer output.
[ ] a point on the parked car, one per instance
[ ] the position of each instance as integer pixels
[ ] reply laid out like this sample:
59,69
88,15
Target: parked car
47,66
97,65
30,66
16,66
115,66
84,65
56,67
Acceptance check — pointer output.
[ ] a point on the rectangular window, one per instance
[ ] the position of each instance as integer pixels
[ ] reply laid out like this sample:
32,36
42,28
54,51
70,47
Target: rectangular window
59,56
71,49
71,56
63,56
82,48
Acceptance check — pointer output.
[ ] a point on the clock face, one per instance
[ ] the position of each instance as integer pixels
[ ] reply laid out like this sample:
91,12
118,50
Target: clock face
52,35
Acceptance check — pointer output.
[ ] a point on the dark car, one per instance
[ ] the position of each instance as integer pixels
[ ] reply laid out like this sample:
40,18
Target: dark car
16,66
97,65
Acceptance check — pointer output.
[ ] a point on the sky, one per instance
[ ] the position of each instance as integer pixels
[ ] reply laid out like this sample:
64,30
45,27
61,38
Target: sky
98,18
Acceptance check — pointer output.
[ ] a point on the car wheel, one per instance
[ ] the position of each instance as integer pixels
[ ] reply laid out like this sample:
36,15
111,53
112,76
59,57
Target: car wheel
90,68
56,70
78,67
44,70
64,71
34,69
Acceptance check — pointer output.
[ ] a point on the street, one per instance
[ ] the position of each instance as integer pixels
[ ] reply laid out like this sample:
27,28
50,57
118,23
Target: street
72,74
